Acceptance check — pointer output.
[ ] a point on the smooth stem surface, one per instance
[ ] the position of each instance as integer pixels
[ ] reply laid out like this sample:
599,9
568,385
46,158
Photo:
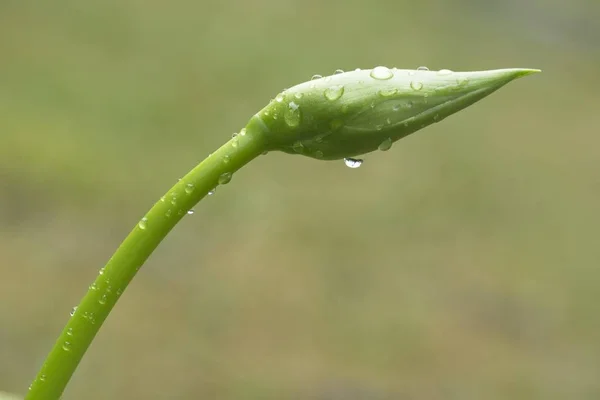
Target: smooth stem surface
102,295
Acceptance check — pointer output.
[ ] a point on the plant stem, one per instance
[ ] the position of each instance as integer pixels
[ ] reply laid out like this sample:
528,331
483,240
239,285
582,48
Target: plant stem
88,316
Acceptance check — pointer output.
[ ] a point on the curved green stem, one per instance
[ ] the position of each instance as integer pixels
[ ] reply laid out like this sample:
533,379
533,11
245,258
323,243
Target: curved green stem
88,316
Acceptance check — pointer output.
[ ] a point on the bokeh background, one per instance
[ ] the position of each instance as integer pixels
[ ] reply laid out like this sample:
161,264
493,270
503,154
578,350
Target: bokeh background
462,264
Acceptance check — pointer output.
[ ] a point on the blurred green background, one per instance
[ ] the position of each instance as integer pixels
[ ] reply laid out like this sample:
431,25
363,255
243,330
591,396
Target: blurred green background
462,264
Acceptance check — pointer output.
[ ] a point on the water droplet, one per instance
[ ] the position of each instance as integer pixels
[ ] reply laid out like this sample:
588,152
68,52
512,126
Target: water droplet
444,72
190,212
379,127
381,73
102,299
298,147
143,223
225,178
316,76
109,289
162,199
93,286
336,124
275,116
168,213
462,81
212,191
234,134
42,378
226,159
422,68
357,70
70,332
292,115
243,132
189,188
334,92
415,85
353,162
279,98
385,145
174,199
318,154
73,311
388,121
119,292
388,92
101,272
298,95
234,142
67,346
338,71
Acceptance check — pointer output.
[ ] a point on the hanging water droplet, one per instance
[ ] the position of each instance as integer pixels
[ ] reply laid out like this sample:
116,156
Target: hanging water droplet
212,191
444,72
102,299
422,68
190,212
387,92
298,95
143,223
226,159
73,310
381,73
298,147
70,332
66,346
416,85
338,71
353,162
334,92
385,145
189,188
292,115
316,76
225,178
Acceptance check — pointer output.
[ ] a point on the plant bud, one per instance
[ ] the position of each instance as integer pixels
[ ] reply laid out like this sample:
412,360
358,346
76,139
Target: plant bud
354,113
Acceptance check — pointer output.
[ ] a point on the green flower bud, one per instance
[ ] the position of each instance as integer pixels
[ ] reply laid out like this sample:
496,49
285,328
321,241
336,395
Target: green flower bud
354,113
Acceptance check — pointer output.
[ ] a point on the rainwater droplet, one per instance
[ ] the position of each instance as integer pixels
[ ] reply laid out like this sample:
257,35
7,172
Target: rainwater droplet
234,142
385,145
66,346
381,73
226,159
234,134
422,68
462,81
93,286
292,115
225,178
43,378
388,92
353,162
102,299
243,132
416,85
119,292
212,191
189,188
168,213
298,147
73,311
444,72
338,71
101,272
70,332
298,95
334,92
143,223
316,76
279,98
190,212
